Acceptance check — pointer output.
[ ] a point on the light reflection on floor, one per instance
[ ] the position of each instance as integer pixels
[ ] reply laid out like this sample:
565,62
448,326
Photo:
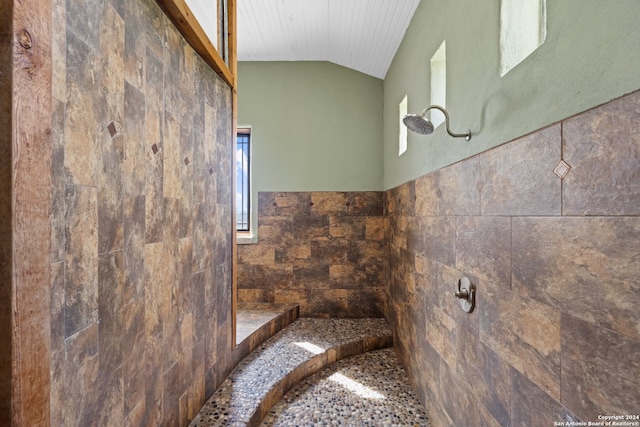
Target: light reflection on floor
310,347
370,389
355,387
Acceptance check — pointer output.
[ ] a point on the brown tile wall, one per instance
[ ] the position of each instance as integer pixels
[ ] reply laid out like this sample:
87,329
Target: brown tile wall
322,250
141,219
555,335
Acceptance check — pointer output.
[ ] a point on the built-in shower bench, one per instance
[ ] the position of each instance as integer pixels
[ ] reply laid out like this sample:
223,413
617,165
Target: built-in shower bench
275,366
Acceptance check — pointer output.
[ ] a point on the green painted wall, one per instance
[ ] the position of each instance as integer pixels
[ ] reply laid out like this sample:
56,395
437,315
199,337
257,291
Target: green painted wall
316,126
591,55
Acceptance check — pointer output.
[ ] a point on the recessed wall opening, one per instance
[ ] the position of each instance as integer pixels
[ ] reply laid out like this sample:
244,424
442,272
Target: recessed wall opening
243,180
438,84
402,137
523,28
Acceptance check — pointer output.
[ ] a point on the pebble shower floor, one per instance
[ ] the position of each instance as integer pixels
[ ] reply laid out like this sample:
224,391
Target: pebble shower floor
367,389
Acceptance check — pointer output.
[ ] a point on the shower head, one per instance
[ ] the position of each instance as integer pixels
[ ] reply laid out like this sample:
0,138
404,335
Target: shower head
419,123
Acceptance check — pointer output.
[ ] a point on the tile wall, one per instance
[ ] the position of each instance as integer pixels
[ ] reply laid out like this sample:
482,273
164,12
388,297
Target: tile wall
141,219
141,245
322,250
555,335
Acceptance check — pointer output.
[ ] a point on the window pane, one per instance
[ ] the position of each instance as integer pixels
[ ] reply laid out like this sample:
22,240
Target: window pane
243,194
439,83
207,17
402,137
523,28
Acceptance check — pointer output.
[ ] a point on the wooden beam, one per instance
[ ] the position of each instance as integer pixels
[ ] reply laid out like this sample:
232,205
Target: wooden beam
232,39
234,237
184,20
31,203
6,188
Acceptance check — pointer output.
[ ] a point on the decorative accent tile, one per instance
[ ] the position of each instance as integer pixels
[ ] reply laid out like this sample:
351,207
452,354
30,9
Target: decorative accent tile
562,169
111,127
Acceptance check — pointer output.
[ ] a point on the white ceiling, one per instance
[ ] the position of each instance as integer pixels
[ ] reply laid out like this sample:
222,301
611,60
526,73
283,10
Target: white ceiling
360,34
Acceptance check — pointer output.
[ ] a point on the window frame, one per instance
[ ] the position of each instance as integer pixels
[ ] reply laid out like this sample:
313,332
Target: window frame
224,64
245,131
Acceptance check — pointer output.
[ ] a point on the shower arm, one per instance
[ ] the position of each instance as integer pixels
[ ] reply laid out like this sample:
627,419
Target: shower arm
466,136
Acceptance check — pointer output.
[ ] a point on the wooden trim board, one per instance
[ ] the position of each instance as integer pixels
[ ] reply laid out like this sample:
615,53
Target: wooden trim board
184,20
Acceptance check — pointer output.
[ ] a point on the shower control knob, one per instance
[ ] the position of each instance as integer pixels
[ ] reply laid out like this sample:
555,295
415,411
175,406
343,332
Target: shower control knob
467,294
464,294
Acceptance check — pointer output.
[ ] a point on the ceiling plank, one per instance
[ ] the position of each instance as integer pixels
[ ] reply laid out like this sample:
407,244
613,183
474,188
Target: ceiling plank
360,34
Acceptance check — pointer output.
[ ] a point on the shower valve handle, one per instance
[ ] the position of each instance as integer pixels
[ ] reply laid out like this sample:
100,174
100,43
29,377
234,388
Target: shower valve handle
467,294
462,294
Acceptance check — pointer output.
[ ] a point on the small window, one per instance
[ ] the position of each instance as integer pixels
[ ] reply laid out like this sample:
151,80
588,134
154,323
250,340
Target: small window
402,137
438,84
243,191
214,20
523,28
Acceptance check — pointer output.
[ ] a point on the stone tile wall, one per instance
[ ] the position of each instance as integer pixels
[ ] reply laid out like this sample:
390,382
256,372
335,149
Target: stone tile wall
322,250
141,219
555,335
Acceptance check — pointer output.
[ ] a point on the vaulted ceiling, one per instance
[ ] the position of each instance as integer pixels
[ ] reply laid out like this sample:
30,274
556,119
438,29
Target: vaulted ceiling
360,34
